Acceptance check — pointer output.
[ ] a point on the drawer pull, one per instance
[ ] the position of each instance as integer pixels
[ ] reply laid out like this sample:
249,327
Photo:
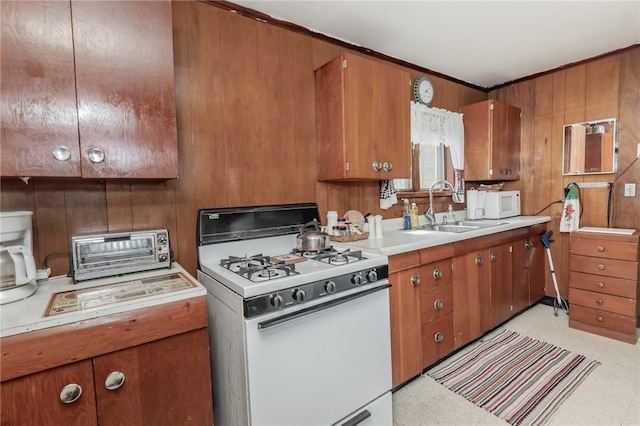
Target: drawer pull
438,337
415,280
600,284
600,249
478,260
437,305
114,380
437,274
70,393
599,318
600,302
601,266
494,257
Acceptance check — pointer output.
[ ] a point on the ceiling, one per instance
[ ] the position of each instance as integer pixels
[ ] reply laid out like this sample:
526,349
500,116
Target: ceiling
484,43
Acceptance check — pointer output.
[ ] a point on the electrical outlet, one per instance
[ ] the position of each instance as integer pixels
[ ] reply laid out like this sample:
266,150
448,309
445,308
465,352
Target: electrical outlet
629,189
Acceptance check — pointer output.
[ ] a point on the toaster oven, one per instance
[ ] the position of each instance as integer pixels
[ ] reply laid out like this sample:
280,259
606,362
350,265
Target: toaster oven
98,256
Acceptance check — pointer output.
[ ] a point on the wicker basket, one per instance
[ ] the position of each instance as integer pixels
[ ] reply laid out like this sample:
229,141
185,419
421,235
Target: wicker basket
349,238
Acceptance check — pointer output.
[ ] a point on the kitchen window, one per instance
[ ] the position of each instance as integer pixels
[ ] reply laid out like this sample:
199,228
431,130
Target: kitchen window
437,138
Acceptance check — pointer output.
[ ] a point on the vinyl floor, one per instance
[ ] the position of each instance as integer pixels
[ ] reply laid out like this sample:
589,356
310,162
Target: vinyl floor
610,395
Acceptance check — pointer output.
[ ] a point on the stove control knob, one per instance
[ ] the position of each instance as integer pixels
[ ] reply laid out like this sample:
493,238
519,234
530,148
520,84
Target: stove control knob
357,279
330,287
298,295
372,276
276,301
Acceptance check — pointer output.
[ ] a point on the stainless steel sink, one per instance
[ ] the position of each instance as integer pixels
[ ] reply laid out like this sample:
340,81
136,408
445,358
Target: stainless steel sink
480,223
450,228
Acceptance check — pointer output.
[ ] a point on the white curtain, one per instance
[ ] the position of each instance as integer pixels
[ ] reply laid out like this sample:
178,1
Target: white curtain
435,126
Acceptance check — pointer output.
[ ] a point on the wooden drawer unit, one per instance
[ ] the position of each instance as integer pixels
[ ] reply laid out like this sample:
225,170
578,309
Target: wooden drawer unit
603,284
437,339
436,302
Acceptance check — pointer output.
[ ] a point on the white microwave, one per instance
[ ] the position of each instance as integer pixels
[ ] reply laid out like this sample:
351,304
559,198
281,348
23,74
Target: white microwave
501,204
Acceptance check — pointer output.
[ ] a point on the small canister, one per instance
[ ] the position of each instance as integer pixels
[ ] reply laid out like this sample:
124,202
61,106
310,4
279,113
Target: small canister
332,220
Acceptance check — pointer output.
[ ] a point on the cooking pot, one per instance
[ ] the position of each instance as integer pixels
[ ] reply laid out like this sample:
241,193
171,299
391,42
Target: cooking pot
312,239
17,267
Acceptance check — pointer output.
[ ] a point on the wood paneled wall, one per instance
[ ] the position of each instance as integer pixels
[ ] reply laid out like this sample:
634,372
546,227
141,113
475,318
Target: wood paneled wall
246,133
602,88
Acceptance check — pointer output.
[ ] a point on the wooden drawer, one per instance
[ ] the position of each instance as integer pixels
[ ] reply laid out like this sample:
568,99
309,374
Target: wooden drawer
437,339
605,302
607,267
609,285
436,302
608,324
621,250
400,262
436,274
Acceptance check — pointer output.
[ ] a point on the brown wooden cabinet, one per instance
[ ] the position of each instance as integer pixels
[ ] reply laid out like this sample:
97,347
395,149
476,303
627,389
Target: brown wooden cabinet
149,366
436,304
362,120
603,284
491,141
404,299
501,284
88,90
527,266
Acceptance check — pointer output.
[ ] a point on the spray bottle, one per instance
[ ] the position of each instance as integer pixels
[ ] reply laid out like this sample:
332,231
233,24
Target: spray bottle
406,215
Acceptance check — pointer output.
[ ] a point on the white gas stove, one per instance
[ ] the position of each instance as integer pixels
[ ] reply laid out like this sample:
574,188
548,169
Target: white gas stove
277,315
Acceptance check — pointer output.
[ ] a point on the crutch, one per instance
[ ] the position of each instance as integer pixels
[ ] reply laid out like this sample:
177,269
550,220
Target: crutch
558,302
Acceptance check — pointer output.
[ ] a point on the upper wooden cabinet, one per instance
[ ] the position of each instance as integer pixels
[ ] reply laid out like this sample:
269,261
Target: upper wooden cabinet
491,141
363,121
88,90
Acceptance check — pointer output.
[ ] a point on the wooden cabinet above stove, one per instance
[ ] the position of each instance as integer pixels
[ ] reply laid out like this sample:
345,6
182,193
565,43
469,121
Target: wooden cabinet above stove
363,122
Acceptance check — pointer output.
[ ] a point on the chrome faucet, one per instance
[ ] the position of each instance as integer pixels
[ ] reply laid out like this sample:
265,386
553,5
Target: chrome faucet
430,214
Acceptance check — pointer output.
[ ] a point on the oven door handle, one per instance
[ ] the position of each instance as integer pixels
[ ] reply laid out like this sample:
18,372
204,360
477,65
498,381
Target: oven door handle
320,307
361,417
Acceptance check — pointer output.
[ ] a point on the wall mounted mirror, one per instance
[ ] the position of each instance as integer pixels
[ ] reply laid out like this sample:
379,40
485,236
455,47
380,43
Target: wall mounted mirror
589,147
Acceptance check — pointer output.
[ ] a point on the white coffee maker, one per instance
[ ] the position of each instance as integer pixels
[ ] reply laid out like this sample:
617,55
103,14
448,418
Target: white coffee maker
17,265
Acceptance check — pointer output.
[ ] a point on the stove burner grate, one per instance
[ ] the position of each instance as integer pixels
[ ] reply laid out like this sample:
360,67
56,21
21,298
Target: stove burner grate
258,267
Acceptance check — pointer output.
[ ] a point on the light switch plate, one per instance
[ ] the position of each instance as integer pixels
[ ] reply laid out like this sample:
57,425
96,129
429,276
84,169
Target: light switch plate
629,189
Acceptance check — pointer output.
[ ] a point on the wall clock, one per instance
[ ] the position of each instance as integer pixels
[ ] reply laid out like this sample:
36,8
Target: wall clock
423,90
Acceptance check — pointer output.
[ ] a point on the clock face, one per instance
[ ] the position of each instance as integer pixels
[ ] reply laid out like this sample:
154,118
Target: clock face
423,91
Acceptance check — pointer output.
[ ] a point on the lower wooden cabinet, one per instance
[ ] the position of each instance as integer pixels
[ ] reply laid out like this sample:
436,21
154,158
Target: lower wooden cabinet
161,381
447,296
603,284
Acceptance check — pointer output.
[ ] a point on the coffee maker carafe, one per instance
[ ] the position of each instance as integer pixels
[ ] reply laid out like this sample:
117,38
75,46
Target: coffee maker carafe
17,265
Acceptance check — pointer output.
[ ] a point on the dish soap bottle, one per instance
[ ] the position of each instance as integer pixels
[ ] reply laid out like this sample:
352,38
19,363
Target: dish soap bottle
414,216
450,217
406,215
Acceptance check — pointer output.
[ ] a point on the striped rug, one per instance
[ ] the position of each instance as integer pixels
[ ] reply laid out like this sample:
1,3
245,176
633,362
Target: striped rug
521,380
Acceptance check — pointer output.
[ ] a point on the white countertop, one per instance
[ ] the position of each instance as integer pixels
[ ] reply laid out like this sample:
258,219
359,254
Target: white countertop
29,314
396,241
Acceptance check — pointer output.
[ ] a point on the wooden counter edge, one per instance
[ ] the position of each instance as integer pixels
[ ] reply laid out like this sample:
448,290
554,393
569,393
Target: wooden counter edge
41,350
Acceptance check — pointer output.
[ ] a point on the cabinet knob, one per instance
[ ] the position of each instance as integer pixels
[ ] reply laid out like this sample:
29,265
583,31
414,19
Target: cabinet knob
96,155
478,260
61,153
438,337
494,257
506,171
601,266
600,249
437,305
70,393
437,274
415,280
600,285
387,166
529,244
600,302
114,380
377,165
599,318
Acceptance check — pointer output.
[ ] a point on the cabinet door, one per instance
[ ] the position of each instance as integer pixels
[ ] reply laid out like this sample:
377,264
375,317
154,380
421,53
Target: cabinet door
471,296
125,89
501,294
362,79
36,399
167,381
39,114
395,123
505,141
406,332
